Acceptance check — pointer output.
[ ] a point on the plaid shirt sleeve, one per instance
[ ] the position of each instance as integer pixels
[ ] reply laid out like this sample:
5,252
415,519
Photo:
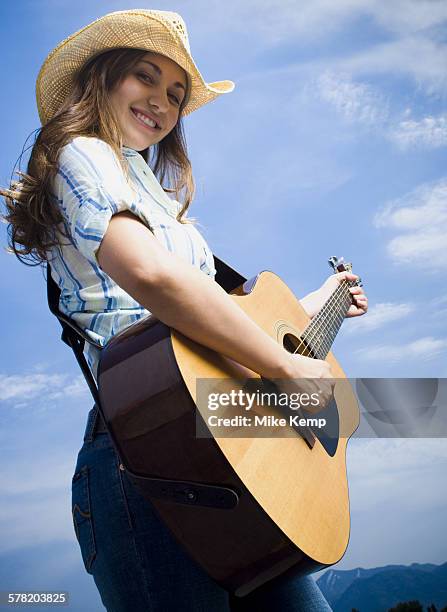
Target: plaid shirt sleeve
90,187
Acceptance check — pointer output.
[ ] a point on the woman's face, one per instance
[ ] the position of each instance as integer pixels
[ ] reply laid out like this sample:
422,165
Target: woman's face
153,89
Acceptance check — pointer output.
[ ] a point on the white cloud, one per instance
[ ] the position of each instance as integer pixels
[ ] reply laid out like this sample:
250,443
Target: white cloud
320,18
74,387
23,387
439,307
361,103
423,349
439,301
408,16
356,102
429,132
425,248
28,385
417,57
420,217
426,205
414,44
381,314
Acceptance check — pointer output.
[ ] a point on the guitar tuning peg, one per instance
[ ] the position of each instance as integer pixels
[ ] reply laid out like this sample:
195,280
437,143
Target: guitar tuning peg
335,262
332,262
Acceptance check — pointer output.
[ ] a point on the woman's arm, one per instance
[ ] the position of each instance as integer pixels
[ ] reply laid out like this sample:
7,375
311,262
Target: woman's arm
187,300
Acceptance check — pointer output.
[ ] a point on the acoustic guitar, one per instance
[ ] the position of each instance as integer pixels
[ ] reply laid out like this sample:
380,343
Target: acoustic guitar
247,508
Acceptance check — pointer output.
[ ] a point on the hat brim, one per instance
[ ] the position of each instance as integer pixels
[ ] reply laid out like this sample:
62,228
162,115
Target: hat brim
138,29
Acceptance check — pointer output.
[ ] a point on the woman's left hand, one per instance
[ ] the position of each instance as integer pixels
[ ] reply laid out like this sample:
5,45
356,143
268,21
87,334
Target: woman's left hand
360,301
315,301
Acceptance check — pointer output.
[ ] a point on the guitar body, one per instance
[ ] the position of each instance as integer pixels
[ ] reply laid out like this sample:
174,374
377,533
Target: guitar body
284,505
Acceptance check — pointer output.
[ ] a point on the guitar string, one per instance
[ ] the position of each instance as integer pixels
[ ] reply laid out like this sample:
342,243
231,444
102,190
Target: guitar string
336,310
307,338
321,324
325,324
312,330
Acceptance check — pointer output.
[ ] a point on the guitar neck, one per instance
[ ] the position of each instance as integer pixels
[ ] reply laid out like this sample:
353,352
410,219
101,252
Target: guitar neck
320,334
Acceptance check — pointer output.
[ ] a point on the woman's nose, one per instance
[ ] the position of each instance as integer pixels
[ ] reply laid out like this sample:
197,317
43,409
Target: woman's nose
159,99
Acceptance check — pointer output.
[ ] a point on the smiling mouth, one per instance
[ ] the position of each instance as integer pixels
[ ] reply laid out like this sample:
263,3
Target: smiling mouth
141,121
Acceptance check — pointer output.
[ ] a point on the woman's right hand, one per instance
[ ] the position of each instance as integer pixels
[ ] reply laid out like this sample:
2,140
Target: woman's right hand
307,375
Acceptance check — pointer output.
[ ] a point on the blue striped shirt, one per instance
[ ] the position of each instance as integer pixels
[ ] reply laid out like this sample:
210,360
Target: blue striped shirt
90,187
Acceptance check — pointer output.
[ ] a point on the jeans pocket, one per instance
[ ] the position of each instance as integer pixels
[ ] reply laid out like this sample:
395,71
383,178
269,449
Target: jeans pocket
82,516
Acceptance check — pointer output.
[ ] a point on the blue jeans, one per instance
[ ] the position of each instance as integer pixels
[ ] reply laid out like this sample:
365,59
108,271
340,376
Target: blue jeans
134,559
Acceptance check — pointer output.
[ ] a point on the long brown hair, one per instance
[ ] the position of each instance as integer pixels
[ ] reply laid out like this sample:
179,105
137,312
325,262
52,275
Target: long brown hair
32,216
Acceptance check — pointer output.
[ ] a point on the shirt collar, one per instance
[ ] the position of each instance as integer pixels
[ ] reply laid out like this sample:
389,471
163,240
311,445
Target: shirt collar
128,152
158,193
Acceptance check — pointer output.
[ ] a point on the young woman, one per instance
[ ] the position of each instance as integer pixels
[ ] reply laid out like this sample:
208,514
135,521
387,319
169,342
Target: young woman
94,202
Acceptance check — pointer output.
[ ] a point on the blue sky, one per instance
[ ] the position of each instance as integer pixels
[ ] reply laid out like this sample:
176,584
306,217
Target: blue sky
332,143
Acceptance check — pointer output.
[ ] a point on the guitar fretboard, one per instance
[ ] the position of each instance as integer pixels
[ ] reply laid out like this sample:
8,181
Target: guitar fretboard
320,334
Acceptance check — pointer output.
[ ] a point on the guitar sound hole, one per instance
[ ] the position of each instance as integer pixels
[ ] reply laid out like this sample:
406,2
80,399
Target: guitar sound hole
293,344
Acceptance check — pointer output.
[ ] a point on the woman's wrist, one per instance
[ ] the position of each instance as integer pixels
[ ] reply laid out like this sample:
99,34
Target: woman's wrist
311,303
284,367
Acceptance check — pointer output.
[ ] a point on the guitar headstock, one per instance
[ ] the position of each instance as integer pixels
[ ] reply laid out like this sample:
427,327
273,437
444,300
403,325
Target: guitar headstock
338,264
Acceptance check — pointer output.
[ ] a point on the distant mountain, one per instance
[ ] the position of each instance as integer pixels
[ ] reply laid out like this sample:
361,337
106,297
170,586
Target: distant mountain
380,588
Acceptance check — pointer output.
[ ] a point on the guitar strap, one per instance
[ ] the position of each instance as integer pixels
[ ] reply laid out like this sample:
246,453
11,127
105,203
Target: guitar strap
191,493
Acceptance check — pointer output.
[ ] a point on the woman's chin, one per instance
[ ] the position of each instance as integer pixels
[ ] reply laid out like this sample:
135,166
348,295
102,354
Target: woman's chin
138,144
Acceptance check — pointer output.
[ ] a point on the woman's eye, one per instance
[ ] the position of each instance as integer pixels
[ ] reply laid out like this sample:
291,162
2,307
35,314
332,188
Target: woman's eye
145,76
150,79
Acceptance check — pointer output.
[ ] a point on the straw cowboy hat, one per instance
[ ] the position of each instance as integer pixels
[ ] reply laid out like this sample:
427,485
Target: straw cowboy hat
158,31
